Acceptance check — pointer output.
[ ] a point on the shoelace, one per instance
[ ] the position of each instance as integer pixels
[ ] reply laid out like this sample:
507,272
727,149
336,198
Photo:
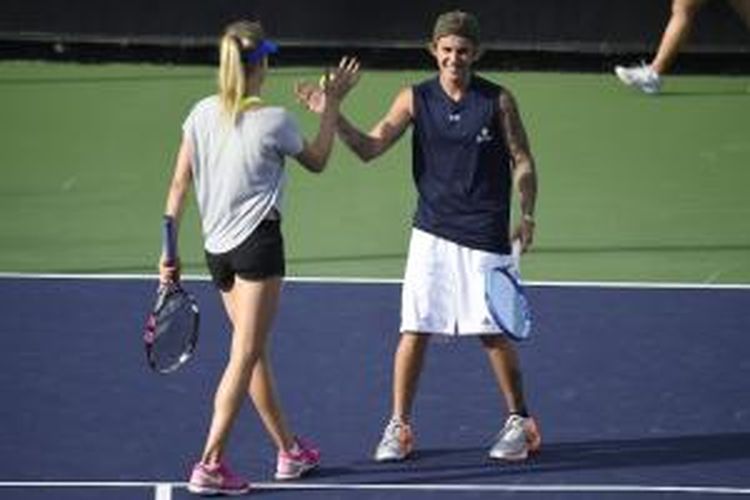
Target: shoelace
509,424
647,72
393,432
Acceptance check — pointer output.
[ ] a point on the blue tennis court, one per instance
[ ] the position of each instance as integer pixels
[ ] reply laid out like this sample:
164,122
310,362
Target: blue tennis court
641,391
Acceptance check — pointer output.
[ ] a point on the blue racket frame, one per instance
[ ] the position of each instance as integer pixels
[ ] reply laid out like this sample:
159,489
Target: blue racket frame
506,272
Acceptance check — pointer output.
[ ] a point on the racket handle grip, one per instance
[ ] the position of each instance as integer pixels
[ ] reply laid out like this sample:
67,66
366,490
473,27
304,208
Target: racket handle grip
169,239
515,252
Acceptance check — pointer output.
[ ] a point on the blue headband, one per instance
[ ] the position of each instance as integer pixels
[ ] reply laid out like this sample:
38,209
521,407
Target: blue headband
264,48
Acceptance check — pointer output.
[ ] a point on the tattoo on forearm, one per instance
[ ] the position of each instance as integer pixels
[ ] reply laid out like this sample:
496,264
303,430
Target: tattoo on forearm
518,146
527,187
515,134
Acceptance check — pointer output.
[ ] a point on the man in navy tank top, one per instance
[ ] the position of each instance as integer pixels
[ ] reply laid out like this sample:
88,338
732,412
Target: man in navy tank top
470,152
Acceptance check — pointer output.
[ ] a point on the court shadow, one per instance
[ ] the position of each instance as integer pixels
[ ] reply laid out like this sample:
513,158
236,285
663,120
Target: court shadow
677,450
450,465
324,472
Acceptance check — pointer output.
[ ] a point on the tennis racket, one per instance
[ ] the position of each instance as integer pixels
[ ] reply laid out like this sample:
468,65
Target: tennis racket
506,297
171,332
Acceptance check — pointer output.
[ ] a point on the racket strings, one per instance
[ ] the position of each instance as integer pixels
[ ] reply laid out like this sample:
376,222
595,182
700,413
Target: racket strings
507,302
175,330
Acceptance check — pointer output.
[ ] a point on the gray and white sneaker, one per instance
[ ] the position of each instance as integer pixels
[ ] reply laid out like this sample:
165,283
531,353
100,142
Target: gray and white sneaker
642,77
397,442
518,437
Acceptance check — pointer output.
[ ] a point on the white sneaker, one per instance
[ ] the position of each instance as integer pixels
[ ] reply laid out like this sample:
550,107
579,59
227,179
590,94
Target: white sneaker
518,437
397,442
642,77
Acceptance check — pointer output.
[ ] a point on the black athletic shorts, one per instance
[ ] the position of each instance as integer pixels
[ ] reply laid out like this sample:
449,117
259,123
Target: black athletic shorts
259,257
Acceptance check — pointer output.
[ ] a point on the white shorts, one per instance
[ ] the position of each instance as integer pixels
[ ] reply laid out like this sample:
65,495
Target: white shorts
443,289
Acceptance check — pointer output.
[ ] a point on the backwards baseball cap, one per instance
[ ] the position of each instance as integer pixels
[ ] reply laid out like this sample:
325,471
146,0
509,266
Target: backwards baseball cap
261,50
458,23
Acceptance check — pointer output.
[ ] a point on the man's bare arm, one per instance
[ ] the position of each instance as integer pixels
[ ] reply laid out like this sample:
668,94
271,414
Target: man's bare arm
385,133
524,168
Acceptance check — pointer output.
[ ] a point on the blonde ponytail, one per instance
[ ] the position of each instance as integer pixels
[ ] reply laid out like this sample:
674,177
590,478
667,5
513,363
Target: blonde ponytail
238,37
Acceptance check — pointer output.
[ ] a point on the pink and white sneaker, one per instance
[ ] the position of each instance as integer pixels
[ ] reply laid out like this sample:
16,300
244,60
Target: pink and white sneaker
294,463
216,479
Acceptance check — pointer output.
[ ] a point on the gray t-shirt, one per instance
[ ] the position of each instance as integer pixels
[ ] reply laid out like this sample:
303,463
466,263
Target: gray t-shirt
238,169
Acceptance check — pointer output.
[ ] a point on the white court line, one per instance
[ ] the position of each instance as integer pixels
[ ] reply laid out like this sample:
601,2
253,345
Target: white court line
163,490
513,488
378,281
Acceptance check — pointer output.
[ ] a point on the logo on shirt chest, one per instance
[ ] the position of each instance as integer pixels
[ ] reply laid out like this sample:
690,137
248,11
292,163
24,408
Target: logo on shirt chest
466,128
484,135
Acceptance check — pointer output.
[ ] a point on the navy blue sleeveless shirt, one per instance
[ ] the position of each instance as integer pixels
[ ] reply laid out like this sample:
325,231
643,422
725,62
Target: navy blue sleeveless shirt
461,166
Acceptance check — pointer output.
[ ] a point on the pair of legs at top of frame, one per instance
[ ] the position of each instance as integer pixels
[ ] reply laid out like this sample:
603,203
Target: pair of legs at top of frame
647,77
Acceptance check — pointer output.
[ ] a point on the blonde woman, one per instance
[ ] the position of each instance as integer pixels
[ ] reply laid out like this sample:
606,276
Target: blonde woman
233,152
